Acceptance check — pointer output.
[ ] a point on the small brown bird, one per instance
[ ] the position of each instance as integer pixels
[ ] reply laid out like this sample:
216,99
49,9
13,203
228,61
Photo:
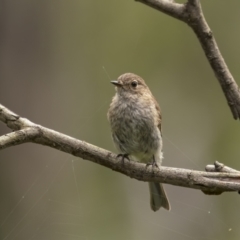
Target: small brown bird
135,120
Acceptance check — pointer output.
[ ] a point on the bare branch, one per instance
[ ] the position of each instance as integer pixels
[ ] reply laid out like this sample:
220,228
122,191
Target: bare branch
219,167
18,137
173,9
191,13
26,131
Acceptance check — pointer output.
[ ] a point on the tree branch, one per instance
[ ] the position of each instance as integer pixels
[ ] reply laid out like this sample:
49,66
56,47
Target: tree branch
191,13
175,10
219,167
27,131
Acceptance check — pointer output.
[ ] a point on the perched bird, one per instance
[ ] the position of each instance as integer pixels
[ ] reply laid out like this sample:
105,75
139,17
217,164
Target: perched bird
135,120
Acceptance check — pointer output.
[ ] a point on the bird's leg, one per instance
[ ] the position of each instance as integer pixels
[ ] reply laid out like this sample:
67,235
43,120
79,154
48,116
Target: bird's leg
153,163
123,156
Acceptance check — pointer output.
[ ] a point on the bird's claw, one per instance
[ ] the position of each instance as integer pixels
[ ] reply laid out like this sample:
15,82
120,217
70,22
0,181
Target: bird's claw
153,163
123,156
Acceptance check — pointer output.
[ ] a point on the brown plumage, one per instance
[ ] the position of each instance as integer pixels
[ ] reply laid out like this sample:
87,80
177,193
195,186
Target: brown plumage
135,119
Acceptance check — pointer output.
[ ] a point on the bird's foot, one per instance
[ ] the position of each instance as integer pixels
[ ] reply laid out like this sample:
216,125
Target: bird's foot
123,156
153,163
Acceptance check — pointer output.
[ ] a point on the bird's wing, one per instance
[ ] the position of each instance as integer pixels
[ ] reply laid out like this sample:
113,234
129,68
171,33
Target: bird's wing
159,114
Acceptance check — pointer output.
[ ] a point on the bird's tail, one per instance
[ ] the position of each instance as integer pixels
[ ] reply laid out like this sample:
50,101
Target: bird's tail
158,197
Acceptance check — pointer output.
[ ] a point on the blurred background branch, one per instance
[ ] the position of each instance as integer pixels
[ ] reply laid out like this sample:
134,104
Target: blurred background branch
191,13
26,131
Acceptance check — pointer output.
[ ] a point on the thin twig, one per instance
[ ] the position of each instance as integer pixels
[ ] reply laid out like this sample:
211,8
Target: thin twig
219,167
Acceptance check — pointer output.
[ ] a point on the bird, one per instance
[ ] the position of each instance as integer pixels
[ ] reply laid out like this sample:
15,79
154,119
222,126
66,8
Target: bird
135,120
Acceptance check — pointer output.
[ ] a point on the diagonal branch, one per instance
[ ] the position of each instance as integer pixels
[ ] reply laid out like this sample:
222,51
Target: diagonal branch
191,13
27,131
173,9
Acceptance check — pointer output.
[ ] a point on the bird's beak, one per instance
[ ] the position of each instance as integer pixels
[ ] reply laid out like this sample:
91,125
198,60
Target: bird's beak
116,83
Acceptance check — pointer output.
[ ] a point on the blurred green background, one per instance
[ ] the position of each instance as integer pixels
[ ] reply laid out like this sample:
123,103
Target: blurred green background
53,56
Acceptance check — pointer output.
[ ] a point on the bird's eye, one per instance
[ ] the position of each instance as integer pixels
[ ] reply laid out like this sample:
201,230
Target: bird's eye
134,84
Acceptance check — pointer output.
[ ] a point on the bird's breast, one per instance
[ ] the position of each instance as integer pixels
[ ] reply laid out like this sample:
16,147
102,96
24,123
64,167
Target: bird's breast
133,128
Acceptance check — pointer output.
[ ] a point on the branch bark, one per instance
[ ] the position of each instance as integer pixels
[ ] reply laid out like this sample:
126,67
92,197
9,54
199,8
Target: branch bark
191,13
27,131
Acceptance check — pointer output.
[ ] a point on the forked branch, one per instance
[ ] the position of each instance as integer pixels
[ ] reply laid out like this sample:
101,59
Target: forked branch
213,182
218,177
191,13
